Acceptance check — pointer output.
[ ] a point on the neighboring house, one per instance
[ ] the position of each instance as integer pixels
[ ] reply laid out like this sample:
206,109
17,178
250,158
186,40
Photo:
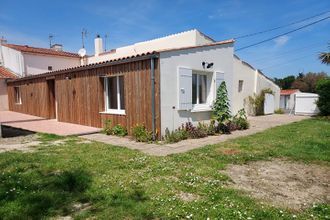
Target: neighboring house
25,60
5,74
162,87
287,100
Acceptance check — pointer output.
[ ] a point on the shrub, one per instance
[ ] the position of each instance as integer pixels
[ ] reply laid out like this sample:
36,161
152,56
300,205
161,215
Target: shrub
141,134
239,121
175,136
279,111
323,103
107,126
221,111
209,129
194,132
257,101
119,130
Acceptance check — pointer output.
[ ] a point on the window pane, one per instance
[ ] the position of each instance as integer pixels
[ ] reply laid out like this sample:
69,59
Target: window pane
202,88
122,93
194,88
112,93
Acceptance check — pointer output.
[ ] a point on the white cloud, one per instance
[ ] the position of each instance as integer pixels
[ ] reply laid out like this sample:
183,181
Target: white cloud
280,41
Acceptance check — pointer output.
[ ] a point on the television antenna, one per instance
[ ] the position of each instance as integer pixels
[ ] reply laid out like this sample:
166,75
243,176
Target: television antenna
105,41
83,36
50,38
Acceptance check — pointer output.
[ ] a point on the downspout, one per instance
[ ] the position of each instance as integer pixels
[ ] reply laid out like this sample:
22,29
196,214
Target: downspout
153,110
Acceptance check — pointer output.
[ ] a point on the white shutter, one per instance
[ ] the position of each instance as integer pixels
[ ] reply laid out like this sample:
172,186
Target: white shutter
185,88
219,78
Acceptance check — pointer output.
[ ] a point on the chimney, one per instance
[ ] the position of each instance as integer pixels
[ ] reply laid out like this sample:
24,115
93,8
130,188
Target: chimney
57,47
98,45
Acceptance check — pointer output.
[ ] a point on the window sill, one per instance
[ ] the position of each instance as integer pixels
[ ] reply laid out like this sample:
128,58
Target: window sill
201,108
114,112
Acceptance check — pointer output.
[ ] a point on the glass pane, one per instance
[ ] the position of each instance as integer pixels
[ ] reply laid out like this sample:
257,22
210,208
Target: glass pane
202,88
122,93
112,93
194,89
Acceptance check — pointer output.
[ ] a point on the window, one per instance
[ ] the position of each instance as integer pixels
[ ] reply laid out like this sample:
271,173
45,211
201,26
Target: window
199,88
240,85
50,68
17,91
114,95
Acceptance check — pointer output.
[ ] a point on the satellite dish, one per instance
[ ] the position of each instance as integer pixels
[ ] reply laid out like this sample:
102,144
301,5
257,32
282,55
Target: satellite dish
82,52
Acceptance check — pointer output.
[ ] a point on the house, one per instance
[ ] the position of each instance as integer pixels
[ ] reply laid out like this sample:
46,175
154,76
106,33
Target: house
24,60
160,83
5,74
287,101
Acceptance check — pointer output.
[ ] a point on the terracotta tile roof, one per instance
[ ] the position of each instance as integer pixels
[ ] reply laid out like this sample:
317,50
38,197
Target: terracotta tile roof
6,74
37,50
288,91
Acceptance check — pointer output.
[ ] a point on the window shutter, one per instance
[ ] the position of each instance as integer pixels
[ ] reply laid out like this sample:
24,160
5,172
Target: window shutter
219,78
185,88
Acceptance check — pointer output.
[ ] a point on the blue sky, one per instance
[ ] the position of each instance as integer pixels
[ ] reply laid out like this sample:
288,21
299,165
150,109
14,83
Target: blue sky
30,22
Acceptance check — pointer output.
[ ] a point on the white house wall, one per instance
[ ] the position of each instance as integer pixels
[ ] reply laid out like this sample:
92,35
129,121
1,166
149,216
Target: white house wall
36,64
242,72
264,83
13,60
220,55
3,95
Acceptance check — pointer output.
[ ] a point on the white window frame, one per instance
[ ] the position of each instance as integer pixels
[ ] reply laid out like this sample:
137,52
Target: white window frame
107,110
199,107
19,94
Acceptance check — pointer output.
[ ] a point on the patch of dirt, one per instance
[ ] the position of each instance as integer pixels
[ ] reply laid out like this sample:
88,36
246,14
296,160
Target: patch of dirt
21,143
187,197
229,151
283,183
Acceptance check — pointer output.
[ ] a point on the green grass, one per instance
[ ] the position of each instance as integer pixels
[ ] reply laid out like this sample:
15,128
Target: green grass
123,184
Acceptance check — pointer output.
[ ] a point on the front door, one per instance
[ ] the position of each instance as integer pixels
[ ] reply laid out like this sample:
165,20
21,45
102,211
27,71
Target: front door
52,98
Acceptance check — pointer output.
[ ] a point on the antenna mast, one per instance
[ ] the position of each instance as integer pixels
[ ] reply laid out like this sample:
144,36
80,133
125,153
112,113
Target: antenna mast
83,36
105,41
50,38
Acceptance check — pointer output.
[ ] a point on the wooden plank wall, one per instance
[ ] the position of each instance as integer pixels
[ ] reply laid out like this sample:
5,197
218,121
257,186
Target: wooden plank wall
34,96
80,99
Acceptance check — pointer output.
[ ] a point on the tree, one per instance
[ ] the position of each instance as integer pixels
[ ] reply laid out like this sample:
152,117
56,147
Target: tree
307,83
286,82
325,57
323,89
220,108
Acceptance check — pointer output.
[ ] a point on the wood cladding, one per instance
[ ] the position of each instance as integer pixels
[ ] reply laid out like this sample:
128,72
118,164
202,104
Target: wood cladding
80,95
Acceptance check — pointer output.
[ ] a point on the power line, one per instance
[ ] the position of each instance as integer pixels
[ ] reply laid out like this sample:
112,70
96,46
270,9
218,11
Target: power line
288,32
279,27
289,52
285,63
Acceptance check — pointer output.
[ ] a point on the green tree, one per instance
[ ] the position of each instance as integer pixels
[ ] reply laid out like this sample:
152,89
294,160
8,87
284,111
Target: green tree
286,82
323,89
220,108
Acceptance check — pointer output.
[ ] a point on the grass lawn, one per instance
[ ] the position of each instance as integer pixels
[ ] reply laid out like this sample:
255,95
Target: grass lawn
119,183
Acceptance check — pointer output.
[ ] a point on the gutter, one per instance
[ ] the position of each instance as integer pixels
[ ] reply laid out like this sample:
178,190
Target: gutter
153,109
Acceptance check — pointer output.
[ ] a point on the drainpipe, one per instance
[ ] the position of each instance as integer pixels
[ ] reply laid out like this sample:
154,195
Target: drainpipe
153,111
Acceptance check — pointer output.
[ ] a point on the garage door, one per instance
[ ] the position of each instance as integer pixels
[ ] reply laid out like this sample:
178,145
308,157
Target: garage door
269,105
